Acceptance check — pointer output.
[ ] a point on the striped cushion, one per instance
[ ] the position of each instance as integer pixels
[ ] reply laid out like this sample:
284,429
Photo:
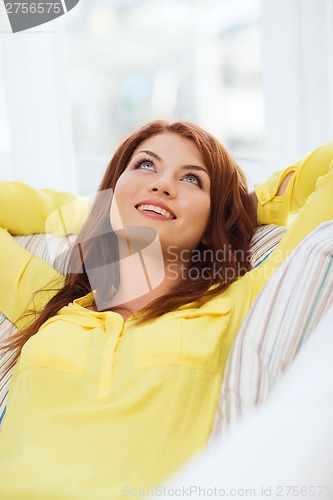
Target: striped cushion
264,241
50,248
282,318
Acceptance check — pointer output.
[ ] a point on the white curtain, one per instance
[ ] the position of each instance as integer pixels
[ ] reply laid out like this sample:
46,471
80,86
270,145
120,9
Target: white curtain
34,73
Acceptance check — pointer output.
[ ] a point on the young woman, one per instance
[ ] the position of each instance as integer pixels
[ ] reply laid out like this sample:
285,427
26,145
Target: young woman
119,371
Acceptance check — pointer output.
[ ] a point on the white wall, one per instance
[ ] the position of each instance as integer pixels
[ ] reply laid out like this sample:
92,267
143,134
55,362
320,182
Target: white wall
297,51
34,74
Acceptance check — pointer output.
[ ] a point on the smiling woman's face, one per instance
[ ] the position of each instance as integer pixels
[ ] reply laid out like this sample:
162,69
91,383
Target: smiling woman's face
165,186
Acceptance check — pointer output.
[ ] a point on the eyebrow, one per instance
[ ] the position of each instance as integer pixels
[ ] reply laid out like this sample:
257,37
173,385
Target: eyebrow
184,167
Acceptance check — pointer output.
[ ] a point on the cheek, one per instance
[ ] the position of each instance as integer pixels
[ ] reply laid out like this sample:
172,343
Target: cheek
202,211
204,221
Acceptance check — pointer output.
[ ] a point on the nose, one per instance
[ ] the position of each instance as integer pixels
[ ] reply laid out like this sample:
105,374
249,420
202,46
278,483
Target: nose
163,186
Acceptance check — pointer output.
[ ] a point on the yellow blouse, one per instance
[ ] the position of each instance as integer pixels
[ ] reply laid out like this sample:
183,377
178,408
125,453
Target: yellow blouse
99,407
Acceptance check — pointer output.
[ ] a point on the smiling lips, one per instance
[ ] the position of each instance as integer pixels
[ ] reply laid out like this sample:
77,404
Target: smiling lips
155,210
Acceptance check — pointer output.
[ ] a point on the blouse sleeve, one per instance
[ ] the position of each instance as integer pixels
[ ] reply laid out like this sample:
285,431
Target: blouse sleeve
274,209
26,210
310,193
23,274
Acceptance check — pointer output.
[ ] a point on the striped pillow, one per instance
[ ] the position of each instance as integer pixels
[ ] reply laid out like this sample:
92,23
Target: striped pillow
278,324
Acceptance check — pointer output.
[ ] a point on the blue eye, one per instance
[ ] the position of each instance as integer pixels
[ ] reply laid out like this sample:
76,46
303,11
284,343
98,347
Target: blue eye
146,164
196,178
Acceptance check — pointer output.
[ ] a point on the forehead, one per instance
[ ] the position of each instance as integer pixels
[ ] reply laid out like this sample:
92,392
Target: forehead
170,146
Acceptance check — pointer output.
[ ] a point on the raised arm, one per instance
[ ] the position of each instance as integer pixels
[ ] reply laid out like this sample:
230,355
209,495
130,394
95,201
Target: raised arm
286,191
23,274
26,210
309,192
280,192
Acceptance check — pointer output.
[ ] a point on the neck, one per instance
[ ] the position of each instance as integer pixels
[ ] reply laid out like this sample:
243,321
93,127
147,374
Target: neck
144,276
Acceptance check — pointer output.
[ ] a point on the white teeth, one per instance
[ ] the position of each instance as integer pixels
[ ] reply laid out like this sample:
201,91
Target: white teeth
156,209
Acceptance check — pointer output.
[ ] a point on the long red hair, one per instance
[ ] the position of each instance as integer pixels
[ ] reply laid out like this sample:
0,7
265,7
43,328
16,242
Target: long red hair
230,228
